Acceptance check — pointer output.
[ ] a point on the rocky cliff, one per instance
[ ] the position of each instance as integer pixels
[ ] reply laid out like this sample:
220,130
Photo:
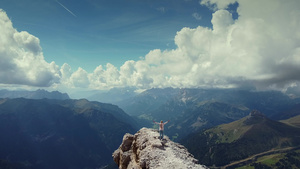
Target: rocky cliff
144,150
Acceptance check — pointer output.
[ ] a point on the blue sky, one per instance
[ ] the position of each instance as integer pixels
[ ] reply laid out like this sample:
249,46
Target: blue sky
101,44
86,33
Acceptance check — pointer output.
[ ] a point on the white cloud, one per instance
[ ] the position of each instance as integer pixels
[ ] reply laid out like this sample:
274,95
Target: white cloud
21,58
80,78
217,4
105,78
260,48
221,20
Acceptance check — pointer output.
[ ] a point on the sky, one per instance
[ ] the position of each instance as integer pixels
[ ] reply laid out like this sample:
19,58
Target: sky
83,45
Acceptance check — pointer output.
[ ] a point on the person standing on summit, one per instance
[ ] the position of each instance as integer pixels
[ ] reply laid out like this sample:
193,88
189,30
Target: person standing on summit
161,128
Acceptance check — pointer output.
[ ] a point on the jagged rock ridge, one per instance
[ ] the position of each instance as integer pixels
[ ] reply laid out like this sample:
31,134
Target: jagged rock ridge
144,150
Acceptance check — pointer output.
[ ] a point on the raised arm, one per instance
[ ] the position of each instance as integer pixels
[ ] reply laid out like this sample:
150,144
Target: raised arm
167,122
155,122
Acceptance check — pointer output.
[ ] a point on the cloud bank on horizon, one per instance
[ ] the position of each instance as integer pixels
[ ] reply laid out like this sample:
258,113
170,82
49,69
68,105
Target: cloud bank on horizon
261,48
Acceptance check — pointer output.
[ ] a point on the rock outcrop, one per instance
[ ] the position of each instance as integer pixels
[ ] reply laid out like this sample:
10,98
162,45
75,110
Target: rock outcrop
145,151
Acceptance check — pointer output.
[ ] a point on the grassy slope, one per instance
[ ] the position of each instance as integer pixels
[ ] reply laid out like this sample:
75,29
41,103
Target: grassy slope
294,121
241,139
290,160
230,132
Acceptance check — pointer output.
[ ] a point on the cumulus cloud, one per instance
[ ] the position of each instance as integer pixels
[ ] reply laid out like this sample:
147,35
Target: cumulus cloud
105,78
260,49
21,58
217,4
80,78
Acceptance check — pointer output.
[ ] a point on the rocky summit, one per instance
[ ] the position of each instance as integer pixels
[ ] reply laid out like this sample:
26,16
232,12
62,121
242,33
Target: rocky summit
144,150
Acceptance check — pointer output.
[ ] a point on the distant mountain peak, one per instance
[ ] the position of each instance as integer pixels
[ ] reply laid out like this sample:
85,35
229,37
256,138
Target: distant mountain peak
256,113
255,117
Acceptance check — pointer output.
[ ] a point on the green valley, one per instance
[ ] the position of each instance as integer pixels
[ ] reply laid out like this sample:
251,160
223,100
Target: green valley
242,139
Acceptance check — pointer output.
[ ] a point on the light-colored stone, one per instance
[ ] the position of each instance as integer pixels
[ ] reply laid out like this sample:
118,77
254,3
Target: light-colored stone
145,151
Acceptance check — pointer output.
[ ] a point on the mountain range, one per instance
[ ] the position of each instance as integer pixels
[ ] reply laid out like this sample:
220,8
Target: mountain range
113,95
240,139
191,110
38,125
270,102
38,94
50,133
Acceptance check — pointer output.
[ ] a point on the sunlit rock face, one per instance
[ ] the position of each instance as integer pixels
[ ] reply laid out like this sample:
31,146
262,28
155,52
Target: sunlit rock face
144,150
